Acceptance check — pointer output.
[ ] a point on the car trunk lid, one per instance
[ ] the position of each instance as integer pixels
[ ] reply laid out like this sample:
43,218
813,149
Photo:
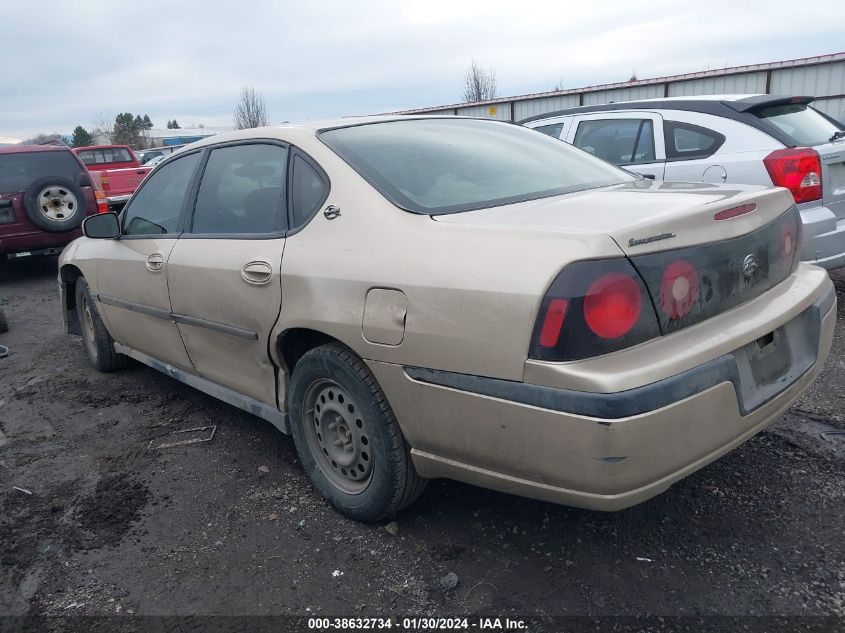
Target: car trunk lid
700,249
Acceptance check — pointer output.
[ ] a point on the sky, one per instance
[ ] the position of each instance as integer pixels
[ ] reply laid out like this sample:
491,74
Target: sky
71,63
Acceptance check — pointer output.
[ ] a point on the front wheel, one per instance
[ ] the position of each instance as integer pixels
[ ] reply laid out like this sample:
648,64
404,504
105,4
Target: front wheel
347,436
99,345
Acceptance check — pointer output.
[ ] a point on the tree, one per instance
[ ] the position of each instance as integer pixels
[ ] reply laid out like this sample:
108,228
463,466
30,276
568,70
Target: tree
125,131
173,125
129,129
103,130
250,111
479,84
81,137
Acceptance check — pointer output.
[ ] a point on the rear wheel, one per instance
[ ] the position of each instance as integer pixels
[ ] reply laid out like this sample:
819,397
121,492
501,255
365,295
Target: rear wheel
99,345
347,436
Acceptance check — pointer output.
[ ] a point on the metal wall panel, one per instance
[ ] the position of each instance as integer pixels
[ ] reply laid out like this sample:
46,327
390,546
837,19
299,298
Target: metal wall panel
817,81
543,105
600,97
501,111
832,107
745,83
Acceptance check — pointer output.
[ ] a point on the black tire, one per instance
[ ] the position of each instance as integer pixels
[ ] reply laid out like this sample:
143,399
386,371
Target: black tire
4,324
98,343
68,217
378,449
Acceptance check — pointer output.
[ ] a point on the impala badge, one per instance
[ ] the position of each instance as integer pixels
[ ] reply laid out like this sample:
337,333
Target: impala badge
749,266
636,241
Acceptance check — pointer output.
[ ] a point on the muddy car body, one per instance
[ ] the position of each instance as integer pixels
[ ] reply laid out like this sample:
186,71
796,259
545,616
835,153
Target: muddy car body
442,297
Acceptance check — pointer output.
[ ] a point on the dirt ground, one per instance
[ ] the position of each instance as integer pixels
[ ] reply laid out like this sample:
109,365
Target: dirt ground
232,527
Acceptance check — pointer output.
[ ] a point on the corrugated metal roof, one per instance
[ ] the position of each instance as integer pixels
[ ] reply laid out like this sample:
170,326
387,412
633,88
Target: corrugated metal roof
704,74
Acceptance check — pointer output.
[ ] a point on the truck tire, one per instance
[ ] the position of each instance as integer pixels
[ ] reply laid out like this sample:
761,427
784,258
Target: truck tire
347,436
99,345
55,204
4,324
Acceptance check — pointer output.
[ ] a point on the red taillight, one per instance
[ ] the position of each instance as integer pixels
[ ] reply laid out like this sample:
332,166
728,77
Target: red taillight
593,307
612,305
798,169
102,202
678,289
788,247
552,323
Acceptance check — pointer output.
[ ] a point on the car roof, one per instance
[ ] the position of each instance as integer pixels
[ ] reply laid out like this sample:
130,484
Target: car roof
76,149
727,105
20,149
277,131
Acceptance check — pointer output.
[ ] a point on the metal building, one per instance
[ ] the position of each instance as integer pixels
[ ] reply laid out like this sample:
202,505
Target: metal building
822,76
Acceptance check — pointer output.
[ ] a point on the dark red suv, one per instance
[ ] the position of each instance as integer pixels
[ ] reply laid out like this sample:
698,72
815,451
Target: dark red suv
45,193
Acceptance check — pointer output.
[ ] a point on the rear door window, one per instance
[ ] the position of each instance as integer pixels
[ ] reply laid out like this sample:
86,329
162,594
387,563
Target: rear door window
19,171
618,141
685,141
308,191
242,191
804,125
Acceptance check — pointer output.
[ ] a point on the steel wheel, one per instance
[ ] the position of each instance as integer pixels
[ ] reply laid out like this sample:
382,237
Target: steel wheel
89,333
57,203
337,434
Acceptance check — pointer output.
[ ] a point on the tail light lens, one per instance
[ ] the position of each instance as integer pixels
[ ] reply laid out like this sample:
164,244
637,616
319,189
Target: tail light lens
592,308
798,169
102,201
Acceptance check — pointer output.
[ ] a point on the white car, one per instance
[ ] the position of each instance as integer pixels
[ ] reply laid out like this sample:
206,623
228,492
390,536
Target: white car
744,139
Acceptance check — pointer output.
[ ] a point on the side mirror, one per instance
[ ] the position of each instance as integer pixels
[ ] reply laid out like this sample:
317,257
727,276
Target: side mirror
84,180
103,226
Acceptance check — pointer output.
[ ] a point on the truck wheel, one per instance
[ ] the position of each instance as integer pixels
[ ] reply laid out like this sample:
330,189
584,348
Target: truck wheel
99,345
4,324
347,437
55,204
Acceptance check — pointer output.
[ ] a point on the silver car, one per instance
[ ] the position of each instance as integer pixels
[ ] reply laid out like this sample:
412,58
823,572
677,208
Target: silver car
743,139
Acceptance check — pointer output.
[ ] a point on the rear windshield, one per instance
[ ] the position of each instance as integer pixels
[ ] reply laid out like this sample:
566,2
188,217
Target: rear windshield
803,124
18,171
449,165
105,156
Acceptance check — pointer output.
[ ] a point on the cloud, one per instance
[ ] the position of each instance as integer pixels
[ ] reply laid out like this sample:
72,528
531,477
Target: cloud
189,59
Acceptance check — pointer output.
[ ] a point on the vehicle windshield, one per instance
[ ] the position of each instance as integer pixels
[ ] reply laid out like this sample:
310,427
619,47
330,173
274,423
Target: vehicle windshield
19,171
445,165
804,125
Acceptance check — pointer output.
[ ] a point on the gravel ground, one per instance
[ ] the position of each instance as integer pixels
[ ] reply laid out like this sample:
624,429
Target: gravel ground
232,527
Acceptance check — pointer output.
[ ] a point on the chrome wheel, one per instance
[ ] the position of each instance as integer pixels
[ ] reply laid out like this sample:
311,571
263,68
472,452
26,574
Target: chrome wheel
337,435
56,203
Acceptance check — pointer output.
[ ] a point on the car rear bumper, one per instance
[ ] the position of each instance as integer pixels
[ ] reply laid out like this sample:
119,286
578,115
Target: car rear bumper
35,243
600,451
824,238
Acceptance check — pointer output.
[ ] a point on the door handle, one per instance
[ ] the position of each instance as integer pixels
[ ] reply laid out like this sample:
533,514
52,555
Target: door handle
257,272
649,176
155,262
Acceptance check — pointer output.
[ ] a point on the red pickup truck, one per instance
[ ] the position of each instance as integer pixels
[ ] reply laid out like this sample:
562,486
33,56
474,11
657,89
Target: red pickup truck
116,170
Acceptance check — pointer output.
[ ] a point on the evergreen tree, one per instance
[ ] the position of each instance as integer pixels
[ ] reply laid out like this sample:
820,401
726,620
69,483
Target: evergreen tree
81,137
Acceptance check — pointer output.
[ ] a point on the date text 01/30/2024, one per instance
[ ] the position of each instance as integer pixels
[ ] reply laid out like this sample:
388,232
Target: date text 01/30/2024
417,624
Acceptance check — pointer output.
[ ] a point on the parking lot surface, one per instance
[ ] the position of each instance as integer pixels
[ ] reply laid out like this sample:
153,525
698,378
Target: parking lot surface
116,526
